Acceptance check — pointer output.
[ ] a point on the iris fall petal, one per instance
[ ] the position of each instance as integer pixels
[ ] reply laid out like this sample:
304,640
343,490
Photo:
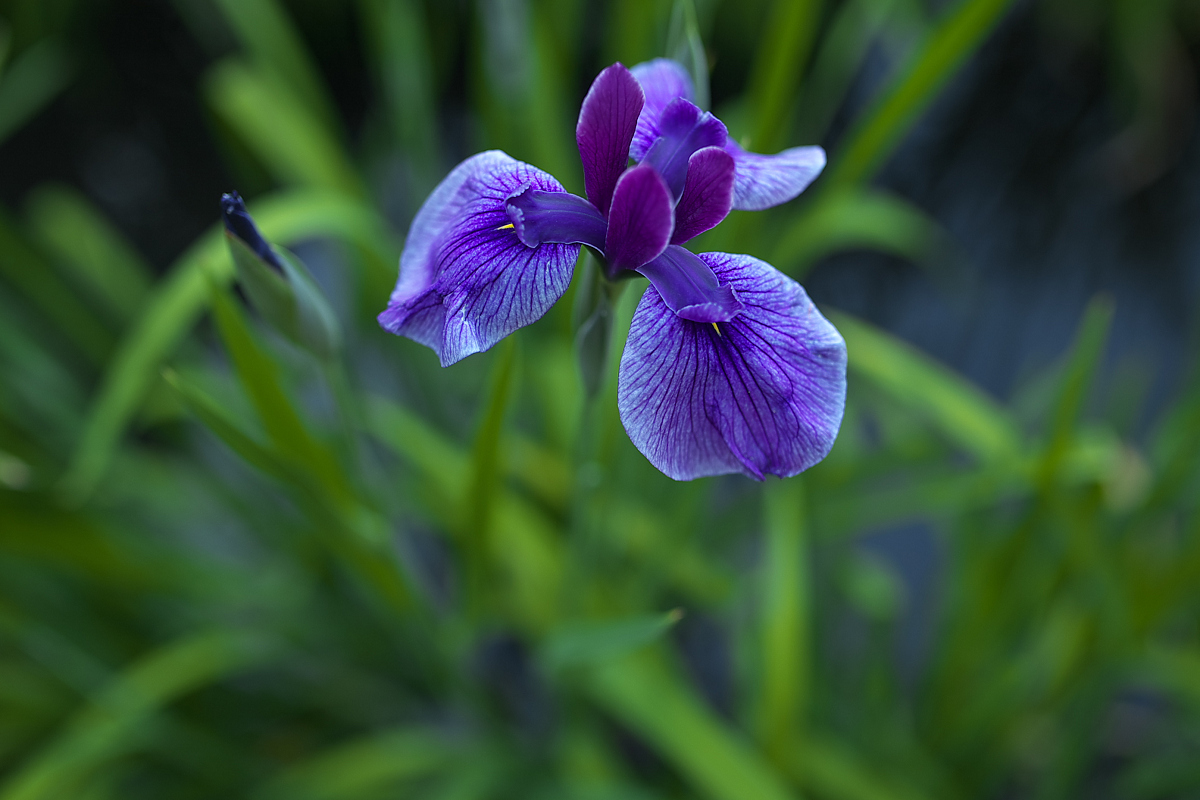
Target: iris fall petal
760,394
466,279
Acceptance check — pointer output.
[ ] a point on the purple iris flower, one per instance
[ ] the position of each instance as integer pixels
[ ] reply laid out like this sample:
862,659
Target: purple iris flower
729,367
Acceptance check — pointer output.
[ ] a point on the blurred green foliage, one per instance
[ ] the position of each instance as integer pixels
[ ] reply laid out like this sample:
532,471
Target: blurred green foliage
228,569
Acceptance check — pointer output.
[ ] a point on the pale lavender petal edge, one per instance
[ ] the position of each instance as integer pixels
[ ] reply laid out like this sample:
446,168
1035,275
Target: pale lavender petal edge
763,393
764,181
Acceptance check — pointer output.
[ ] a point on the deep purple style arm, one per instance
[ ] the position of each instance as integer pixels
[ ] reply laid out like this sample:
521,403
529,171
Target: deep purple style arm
689,287
541,217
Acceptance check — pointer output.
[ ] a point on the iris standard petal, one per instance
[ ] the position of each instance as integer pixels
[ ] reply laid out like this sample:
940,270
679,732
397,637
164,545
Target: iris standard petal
707,193
640,221
682,130
662,80
541,217
763,394
607,120
466,279
765,181
690,288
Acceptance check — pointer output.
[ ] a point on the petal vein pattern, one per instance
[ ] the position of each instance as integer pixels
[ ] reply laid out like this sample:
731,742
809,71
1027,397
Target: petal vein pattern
607,120
466,279
762,393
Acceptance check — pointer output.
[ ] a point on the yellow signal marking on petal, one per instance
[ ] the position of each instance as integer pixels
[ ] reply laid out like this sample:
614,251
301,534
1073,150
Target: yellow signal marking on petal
504,227
715,328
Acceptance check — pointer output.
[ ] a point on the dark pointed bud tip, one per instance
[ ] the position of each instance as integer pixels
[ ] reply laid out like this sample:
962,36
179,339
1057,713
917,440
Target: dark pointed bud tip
239,223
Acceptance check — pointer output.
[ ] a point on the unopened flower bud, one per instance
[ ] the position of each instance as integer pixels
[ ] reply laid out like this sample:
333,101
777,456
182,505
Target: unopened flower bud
278,284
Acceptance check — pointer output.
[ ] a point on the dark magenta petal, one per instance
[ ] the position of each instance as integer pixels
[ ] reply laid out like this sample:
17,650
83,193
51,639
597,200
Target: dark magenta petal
765,181
239,223
682,130
662,80
640,221
707,194
607,121
539,217
466,279
689,287
762,395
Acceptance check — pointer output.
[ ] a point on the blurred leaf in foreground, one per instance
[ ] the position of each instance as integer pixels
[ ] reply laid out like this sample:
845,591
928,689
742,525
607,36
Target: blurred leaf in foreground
66,223
31,81
366,767
961,31
685,46
588,643
652,700
971,419
858,219
114,723
785,619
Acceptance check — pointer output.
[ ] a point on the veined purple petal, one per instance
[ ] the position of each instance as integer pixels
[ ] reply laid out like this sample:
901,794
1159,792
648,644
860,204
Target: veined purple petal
640,221
763,394
541,217
662,80
466,279
607,120
765,181
682,130
690,288
707,194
